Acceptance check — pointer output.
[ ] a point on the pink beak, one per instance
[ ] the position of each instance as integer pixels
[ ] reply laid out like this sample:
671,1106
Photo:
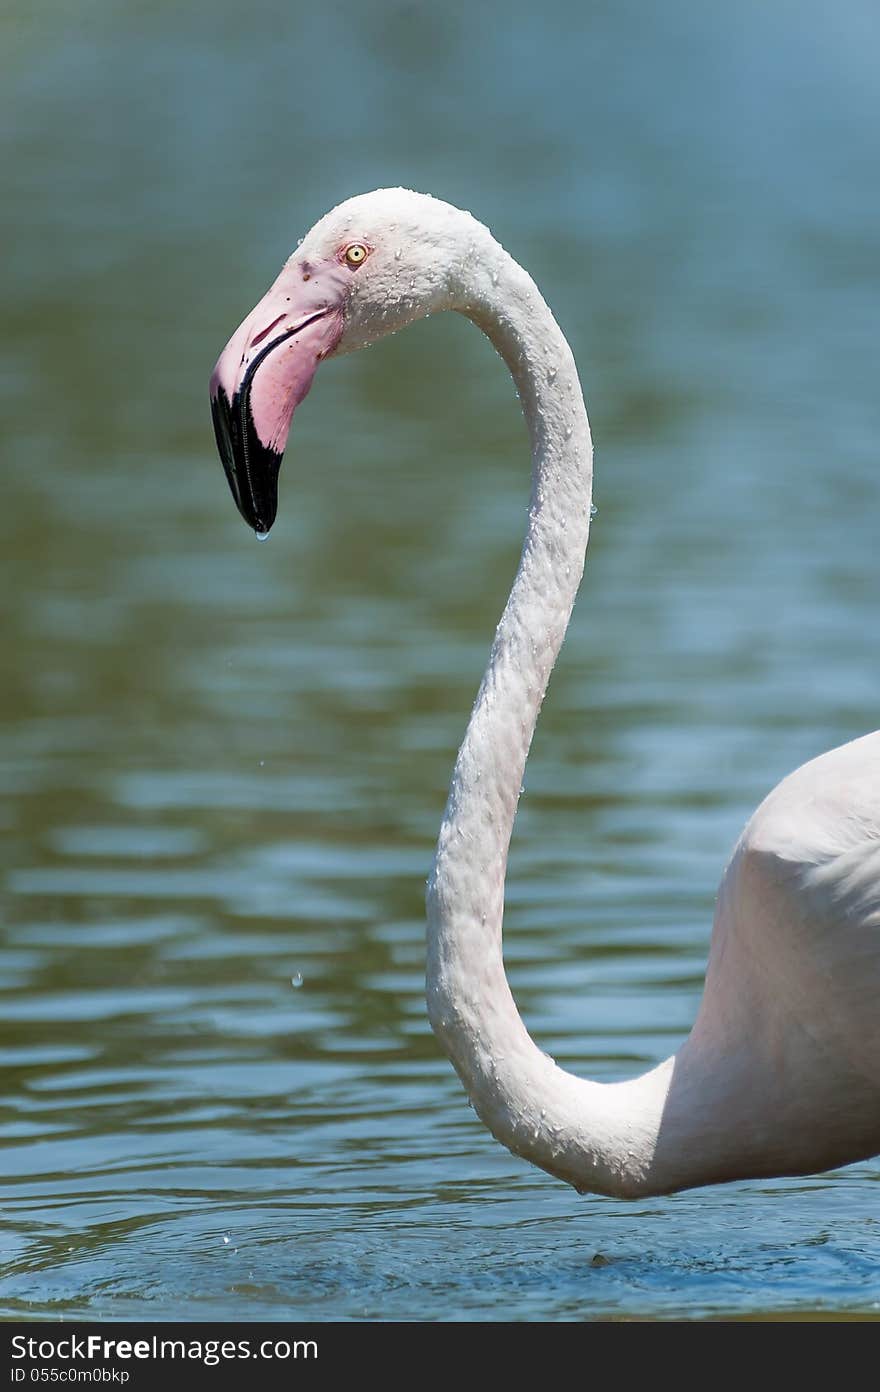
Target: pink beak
265,371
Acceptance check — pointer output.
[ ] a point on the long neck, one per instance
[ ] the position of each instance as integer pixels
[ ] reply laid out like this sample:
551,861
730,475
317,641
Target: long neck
467,885
597,1137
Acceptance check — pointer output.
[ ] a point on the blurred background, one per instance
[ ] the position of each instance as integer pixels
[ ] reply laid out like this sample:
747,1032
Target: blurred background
224,764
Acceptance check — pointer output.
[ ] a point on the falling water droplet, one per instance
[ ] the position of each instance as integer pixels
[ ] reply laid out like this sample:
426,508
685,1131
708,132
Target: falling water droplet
262,763
593,509
296,980
225,1239
261,536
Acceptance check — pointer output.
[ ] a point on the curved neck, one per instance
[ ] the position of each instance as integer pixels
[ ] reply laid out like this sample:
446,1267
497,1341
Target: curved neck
469,870
740,1097
598,1137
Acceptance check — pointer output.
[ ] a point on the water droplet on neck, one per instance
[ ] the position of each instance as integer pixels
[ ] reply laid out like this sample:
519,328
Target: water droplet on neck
261,536
398,253
568,432
593,509
551,373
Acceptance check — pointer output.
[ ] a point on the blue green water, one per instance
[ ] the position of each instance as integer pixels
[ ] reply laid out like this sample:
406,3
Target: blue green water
224,764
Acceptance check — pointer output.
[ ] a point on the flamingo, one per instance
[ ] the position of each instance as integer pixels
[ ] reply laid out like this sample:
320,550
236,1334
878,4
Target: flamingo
780,1074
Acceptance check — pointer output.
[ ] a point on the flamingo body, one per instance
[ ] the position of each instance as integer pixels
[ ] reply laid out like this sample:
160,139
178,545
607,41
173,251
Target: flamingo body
781,1072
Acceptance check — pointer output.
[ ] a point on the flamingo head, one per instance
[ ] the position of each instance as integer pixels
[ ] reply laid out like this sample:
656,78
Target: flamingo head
371,266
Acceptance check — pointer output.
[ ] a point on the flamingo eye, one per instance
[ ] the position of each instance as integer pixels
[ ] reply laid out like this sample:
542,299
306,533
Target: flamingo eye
356,254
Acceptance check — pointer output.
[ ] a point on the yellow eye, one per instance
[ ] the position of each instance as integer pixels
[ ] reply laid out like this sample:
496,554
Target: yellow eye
356,253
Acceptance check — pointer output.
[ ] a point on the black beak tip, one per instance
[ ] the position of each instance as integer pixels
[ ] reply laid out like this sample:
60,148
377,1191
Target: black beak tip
262,517
251,467
258,486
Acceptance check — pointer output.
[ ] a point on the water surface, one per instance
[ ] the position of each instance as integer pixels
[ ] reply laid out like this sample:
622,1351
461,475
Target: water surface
224,764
